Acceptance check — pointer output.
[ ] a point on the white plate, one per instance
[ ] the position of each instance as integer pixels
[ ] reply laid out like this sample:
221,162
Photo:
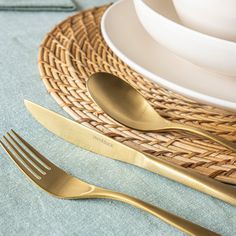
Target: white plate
128,40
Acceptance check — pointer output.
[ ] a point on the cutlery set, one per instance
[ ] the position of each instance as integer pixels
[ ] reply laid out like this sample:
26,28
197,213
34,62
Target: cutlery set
55,181
123,103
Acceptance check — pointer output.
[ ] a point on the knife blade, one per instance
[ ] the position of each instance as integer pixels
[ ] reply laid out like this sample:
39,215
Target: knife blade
96,142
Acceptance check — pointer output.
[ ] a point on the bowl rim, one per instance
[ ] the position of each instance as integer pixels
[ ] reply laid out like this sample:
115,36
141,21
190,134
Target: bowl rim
189,30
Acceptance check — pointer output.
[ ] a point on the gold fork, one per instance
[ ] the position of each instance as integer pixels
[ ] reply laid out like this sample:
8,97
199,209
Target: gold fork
60,184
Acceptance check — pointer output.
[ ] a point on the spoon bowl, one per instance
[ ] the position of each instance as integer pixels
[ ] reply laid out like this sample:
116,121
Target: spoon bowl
122,102
126,105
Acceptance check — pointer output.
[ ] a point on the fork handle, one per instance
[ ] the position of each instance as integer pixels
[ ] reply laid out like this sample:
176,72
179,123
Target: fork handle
176,221
200,132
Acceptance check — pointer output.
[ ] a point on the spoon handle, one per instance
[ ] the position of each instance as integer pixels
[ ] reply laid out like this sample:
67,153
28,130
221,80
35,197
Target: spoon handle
226,143
176,221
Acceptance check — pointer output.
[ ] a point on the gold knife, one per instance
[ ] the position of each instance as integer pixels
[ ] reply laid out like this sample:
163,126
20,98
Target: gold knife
91,140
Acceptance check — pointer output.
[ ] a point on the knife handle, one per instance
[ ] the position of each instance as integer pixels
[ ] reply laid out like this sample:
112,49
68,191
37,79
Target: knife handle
187,177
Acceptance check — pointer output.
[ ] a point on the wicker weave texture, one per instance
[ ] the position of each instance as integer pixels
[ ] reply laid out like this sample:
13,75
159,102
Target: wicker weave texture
75,49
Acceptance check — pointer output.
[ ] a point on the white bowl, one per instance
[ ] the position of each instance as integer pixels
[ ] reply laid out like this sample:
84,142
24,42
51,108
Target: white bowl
160,20
213,17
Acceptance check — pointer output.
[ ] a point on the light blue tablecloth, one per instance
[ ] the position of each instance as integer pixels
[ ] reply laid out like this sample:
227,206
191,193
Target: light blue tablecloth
26,210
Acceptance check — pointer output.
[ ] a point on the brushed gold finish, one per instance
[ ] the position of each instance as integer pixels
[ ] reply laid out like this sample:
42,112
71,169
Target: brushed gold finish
126,105
93,141
57,182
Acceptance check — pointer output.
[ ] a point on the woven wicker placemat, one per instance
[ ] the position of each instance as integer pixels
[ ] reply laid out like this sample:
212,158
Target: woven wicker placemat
75,49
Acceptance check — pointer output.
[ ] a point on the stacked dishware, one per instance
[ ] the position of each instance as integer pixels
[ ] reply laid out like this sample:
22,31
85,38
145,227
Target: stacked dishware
204,68
160,20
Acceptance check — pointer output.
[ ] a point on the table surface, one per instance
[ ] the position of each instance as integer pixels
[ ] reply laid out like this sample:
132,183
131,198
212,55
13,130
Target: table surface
26,210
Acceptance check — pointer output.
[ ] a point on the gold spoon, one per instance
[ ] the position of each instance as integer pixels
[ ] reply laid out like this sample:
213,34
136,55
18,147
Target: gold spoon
126,105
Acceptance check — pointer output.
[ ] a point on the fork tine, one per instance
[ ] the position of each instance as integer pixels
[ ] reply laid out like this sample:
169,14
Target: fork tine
19,163
30,158
43,160
25,162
